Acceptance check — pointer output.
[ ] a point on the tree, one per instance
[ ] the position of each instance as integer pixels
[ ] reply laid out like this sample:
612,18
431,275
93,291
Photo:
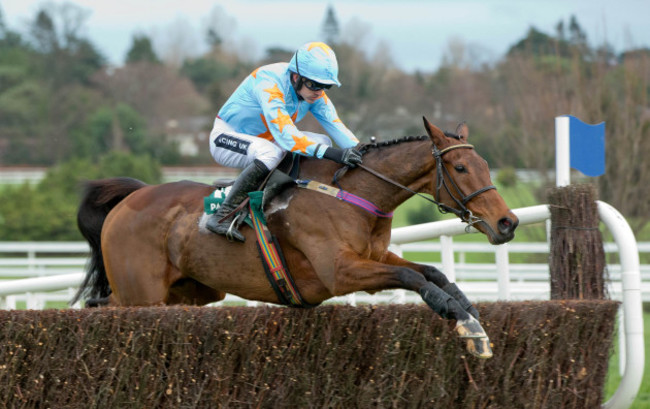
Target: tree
330,28
620,97
141,50
66,56
157,92
540,44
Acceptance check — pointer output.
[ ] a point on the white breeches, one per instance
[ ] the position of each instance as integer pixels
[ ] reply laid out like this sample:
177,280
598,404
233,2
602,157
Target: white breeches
238,150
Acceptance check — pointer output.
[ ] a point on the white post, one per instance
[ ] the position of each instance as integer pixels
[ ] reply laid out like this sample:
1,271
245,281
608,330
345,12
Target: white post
621,342
447,254
400,294
562,152
503,270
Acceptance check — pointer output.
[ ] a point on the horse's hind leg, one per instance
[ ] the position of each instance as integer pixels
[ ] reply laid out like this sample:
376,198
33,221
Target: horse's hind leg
97,302
141,279
192,292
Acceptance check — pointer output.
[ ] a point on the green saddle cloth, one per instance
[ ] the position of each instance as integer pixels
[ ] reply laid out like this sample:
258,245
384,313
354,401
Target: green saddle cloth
212,202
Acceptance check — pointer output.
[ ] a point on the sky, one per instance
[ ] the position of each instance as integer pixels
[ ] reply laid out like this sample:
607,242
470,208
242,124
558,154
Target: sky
417,34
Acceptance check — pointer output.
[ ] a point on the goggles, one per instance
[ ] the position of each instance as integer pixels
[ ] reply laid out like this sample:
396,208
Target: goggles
315,86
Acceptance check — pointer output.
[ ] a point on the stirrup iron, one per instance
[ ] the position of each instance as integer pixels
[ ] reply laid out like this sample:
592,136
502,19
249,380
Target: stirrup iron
234,225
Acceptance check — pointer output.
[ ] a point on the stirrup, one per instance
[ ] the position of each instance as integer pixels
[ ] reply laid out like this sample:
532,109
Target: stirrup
229,235
236,221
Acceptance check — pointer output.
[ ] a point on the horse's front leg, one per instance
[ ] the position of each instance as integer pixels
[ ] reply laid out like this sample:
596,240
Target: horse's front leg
437,277
356,274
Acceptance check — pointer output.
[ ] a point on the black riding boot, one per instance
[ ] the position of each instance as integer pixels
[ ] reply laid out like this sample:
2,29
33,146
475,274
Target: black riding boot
250,179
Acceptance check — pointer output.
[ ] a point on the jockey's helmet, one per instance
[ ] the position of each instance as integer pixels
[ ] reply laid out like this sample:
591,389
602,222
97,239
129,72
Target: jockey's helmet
316,61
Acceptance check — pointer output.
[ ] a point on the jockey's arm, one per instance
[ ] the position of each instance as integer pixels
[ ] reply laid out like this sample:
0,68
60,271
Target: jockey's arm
280,123
325,112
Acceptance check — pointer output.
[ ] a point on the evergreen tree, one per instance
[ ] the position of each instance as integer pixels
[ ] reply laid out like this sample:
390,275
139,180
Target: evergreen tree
330,27
142,50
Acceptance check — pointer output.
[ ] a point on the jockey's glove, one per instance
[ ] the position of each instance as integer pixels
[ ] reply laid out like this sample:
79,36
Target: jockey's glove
349,156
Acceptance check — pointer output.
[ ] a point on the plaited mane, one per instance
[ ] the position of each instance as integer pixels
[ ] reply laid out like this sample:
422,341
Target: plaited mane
366,146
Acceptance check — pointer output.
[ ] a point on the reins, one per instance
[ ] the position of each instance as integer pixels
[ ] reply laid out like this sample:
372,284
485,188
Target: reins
464,213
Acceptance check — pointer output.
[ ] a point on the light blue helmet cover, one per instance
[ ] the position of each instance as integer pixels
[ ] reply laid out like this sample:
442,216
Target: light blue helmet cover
316,61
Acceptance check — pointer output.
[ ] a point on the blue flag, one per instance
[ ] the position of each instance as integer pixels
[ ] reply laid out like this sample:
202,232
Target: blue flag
587,146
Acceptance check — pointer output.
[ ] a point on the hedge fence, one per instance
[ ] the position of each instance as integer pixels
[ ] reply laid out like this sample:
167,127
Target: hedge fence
550,354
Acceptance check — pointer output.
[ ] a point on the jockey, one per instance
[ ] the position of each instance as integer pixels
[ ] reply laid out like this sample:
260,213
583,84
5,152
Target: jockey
256,126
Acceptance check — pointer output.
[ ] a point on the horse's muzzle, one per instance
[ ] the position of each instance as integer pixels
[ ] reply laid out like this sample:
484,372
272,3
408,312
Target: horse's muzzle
504,232
507,226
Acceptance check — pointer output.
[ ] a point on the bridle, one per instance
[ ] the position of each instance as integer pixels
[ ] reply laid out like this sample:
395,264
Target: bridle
461,201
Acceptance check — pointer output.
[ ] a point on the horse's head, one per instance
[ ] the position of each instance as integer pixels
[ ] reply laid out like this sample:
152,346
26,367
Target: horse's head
463,185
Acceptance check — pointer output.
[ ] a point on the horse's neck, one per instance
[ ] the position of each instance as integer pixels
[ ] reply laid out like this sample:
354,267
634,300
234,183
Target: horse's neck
407,163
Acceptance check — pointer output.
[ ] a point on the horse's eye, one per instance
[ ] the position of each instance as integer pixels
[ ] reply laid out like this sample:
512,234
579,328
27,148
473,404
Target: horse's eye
460,169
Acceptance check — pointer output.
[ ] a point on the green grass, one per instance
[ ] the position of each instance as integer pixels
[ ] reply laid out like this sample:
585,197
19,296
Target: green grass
642,400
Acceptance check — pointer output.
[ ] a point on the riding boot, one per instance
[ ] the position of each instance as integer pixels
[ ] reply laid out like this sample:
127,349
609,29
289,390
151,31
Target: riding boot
250,179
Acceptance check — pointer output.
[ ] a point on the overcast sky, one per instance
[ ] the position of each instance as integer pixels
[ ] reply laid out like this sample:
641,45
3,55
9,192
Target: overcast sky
417,33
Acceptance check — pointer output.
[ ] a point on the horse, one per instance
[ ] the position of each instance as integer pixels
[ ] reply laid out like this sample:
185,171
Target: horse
149,245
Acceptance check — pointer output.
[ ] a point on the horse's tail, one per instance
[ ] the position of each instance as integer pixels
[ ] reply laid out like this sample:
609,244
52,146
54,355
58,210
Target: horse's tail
99,198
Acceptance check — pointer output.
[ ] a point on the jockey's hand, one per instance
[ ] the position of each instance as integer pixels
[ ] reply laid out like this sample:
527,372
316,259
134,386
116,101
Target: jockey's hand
349,157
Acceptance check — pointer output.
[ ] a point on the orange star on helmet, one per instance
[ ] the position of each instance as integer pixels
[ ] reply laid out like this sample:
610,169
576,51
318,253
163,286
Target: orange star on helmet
324,46
301,143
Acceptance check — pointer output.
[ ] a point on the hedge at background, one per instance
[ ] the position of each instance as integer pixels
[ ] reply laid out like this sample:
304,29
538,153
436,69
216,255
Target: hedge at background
550,354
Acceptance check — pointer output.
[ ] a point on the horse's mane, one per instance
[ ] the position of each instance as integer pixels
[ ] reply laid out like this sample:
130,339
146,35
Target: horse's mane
363,148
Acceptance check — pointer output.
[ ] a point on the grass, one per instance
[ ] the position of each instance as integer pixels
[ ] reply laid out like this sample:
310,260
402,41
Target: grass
642,400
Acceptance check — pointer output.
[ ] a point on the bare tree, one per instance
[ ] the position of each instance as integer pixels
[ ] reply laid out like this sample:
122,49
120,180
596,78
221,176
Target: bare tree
157,92
176,42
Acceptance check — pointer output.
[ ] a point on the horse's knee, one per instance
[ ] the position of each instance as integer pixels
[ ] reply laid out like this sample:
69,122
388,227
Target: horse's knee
442,303
435,276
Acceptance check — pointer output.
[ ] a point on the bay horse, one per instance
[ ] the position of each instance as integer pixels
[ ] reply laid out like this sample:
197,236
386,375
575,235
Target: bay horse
149,245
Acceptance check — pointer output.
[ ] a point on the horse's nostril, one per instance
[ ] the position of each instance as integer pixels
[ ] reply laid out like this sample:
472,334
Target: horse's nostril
506,225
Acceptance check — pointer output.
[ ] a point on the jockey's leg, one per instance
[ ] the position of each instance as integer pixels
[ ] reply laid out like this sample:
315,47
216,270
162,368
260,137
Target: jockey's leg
255,155
250,179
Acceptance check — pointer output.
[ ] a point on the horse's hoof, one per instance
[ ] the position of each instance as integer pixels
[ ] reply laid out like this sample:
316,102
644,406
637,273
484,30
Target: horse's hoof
479,347
470,328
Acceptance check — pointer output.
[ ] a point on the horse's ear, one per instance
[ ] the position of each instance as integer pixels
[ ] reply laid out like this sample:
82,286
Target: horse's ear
462,130
435,133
